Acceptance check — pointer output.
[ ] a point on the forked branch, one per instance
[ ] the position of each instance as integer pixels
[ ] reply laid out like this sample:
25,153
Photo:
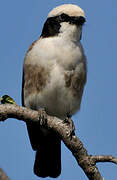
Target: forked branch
85,161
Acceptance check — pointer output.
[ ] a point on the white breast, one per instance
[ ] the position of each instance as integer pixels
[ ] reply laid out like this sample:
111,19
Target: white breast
57,56
49,51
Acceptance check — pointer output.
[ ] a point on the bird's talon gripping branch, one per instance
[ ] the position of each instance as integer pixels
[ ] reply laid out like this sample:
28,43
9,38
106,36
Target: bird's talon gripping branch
42,116
68,121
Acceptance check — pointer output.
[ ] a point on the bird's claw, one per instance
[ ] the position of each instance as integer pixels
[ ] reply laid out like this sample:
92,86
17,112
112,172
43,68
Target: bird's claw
68,121
42,116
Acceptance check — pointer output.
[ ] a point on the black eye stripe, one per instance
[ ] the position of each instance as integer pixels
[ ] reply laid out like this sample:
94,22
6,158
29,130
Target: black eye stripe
71,19
77,20
53,24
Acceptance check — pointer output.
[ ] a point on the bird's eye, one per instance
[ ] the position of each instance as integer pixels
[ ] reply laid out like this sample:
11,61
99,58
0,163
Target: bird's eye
64,17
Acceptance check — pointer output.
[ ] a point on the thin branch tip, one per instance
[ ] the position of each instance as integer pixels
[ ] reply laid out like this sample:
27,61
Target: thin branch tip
105,158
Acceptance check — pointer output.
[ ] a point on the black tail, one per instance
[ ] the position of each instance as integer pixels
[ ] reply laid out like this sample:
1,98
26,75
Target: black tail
48,147
48,157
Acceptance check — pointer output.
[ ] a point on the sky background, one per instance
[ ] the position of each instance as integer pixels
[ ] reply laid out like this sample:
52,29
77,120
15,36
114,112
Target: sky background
21,23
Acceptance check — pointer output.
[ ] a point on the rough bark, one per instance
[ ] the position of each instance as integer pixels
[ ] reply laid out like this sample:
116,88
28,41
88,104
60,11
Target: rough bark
64,130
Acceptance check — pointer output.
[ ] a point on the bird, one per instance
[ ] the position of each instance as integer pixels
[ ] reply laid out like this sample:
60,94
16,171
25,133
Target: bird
54,76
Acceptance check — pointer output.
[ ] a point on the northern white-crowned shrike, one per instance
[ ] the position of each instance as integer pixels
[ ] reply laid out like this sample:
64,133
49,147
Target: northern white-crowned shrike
54,75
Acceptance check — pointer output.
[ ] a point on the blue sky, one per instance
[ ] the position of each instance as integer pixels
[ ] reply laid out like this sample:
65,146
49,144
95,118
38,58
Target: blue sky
96,123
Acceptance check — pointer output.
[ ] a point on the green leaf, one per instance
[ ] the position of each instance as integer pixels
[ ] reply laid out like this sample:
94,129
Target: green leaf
7,100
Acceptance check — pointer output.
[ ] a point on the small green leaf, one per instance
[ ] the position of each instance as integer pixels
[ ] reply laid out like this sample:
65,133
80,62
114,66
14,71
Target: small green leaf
7,100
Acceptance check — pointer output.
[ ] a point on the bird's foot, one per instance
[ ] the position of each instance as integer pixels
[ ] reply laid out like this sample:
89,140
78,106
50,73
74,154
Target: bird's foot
42,116
68,121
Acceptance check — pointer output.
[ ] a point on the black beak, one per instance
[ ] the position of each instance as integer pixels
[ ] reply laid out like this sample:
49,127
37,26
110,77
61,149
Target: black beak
77,20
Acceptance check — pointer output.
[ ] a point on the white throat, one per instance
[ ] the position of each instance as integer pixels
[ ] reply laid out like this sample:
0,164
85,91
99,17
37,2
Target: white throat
70,32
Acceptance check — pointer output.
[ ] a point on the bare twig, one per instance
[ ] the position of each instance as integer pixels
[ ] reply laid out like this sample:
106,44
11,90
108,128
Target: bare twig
85,161
104,158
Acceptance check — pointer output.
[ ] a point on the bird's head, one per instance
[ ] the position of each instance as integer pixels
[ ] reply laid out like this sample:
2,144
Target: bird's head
65,20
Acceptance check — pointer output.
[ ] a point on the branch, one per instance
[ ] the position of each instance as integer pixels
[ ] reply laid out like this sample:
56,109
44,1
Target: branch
104,158
85,161
3,176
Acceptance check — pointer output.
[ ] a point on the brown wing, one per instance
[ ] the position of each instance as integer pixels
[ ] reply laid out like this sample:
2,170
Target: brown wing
33,81
22,94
